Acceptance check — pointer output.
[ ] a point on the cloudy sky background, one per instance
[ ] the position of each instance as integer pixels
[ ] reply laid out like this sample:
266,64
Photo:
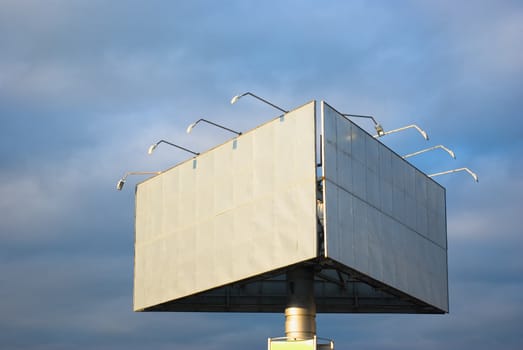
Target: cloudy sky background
87,86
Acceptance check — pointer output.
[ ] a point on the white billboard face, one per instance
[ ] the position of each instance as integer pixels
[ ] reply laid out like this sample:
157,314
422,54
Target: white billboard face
382,216
242,209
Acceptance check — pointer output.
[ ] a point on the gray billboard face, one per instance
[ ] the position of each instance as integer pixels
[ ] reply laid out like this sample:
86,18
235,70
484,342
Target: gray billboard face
242,209
383,217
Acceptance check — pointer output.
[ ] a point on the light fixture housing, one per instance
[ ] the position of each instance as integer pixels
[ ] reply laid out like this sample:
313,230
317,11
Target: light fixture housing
237,97
192,125
121,182
152,148
379,129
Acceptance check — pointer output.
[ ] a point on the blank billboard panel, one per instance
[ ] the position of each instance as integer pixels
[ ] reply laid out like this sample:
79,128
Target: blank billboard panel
242,209
383,217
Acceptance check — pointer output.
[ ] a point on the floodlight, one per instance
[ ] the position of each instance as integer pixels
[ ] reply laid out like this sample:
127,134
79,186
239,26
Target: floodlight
414,126
237,97
153,147
474,175
191,126
121,182
377,126
450,152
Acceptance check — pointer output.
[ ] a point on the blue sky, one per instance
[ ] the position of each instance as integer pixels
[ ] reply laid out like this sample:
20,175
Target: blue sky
87,86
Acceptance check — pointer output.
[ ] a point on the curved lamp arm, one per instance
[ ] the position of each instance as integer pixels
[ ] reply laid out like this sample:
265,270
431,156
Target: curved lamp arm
377,126
412,126
191,126
474,175
153,147
237,97
449,151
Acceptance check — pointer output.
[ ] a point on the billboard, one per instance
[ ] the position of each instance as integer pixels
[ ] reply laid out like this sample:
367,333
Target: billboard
241,209
221,231
383,218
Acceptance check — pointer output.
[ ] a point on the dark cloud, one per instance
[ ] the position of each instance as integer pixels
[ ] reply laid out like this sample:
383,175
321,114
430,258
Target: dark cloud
87,86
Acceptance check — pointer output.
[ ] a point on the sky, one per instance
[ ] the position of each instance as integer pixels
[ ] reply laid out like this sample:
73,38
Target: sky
87,86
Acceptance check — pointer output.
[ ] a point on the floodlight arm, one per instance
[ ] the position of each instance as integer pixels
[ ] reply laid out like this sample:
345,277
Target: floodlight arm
153,147
450,152
414,126
361,116
474,175
121,182
191,126
237,97
377,126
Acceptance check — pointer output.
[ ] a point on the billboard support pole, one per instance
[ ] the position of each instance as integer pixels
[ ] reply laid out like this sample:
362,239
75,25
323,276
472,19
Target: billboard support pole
300,312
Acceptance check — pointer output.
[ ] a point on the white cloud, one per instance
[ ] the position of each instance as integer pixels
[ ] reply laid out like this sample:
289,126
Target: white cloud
490,209
481,37
37,202
28,206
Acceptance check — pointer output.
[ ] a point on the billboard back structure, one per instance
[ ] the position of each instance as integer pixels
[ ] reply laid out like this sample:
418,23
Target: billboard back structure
383,217
220,232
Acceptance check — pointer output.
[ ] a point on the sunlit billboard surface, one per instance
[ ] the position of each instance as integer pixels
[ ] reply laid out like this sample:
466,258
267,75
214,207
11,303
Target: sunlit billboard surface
236,211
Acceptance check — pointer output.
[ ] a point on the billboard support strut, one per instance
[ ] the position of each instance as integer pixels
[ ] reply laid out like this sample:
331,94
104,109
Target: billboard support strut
300,312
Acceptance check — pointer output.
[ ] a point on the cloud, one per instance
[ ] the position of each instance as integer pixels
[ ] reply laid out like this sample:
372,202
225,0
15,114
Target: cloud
86,87
484,36
478,218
